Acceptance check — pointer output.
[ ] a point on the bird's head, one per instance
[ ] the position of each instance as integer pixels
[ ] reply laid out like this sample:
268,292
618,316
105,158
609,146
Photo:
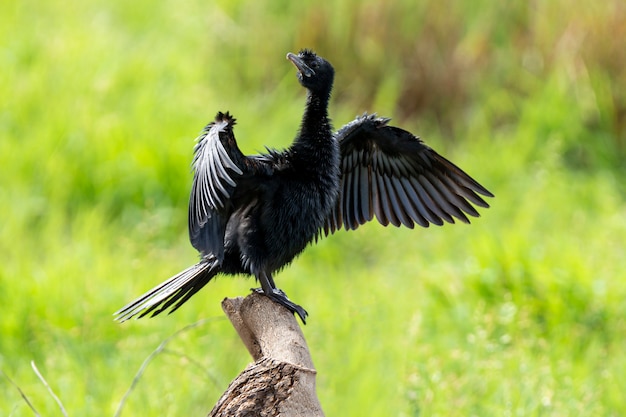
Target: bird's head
314,72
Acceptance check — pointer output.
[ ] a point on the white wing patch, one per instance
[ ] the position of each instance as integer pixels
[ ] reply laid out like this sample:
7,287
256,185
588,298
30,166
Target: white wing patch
212,179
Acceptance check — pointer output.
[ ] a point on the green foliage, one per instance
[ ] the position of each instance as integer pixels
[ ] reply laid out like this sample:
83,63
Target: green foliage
521,313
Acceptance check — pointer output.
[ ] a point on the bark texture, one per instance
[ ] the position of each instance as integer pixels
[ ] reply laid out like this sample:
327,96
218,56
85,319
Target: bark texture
281,381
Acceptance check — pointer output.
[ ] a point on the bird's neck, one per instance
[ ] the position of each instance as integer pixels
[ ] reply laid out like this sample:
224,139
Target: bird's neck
315,152
315,127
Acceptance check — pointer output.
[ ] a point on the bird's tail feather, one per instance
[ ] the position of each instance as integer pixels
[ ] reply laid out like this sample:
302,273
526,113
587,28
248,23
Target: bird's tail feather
175,291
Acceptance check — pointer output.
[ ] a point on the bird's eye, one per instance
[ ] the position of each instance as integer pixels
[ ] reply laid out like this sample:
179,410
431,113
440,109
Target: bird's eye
315,65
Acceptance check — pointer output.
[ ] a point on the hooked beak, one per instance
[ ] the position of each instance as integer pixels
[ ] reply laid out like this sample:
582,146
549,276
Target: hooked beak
299,63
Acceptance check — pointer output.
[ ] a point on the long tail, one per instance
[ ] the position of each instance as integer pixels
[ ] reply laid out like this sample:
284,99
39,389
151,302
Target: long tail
175,291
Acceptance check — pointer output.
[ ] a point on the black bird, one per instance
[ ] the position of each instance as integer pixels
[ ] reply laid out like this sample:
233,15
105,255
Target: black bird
255,214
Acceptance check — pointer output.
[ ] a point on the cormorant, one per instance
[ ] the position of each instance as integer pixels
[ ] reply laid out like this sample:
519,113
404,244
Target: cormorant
254,214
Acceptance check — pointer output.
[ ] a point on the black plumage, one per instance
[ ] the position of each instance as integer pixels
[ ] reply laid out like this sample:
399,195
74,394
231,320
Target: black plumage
254,214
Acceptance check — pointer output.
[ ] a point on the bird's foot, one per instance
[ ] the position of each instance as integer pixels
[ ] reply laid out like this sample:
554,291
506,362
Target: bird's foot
279,296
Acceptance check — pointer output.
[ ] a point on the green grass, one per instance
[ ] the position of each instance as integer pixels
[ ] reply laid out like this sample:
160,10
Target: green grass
521,313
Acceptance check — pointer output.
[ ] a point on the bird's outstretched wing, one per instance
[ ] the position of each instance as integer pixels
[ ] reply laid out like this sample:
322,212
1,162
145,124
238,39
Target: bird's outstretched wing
389,173
217,165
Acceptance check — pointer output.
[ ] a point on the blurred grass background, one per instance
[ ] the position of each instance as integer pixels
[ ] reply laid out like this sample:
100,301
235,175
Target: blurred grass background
522,313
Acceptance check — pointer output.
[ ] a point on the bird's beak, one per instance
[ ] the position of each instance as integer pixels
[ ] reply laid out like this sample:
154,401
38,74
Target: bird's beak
299,63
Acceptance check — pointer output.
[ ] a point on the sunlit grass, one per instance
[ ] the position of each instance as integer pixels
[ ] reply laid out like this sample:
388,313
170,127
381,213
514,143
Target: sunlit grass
521,313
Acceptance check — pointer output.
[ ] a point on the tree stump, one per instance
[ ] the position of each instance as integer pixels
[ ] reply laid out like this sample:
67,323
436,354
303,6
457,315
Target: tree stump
281,381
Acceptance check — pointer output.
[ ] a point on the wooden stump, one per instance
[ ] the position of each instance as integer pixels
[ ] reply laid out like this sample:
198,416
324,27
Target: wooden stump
281,381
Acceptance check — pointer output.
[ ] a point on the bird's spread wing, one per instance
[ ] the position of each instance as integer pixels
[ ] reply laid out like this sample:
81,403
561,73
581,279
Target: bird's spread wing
217,165
389,173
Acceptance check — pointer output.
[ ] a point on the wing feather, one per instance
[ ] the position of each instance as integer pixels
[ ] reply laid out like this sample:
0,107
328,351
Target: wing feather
388,201
378,195
365,202
434,204
390,174
423,203
347,200
356,196
402,205
461,194
414,199
448,200
217,164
